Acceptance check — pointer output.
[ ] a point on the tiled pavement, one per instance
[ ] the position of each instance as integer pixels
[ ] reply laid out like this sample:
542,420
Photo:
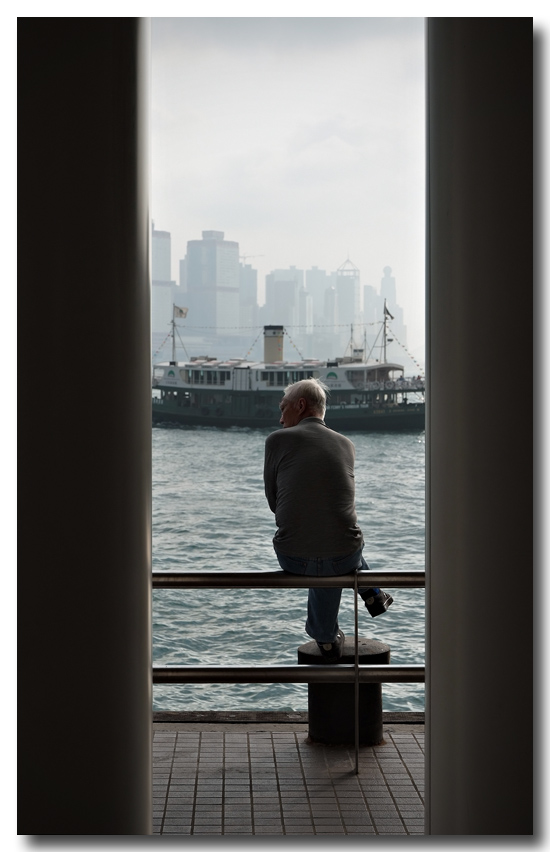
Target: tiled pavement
246,779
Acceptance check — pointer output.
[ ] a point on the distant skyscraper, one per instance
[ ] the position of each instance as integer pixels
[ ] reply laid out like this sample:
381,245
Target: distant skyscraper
389,293
331,309
387,288
371,304
305,312
248,296
165,292
317,283
282,287
373,311
213,283
348,293
161,256
183,275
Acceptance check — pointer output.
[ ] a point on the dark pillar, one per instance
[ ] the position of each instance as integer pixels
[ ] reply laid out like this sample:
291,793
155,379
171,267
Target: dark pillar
479,426
84,418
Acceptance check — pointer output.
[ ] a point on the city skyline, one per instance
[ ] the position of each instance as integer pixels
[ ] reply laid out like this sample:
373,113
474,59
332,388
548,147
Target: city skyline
314,281
300,139
327,313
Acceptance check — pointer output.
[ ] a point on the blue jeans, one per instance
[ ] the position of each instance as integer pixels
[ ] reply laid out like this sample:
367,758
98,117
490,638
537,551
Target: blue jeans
323,604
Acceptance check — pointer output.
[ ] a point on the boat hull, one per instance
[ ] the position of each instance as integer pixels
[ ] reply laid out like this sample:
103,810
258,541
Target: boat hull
346,418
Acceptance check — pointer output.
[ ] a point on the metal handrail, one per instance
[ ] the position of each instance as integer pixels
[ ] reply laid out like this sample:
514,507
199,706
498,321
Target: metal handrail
341,673
286,674
282,579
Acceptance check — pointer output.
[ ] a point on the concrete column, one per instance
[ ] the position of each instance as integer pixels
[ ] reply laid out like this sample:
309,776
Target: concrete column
84,367
479,426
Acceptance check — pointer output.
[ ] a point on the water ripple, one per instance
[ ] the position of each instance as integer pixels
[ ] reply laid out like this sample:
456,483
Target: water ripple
210,513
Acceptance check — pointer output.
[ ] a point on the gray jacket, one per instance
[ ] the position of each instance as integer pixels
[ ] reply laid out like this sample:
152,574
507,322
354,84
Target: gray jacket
310,486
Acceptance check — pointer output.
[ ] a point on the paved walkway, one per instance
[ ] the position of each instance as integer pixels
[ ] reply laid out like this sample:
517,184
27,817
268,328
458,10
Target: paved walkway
258,779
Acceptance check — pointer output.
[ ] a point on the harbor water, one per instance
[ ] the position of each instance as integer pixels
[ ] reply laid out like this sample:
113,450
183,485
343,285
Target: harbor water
210,514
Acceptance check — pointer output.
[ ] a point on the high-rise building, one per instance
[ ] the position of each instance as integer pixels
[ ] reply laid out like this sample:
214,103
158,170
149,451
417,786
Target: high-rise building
371,304
305,312
317,283
373,311
248,296
331,309
282,287
165,292
161,255
213,283
348,293
183,275
389,294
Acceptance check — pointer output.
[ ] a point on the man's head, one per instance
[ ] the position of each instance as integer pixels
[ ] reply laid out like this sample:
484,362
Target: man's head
306,398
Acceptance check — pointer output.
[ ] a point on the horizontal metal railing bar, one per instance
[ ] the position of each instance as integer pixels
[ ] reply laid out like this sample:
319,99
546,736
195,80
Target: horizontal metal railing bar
289,674
282,579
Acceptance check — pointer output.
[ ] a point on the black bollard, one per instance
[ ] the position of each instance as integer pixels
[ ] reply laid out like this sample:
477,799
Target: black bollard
331,706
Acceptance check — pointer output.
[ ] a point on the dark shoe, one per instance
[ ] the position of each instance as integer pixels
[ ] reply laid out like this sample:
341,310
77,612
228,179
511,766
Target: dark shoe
332,651
379,603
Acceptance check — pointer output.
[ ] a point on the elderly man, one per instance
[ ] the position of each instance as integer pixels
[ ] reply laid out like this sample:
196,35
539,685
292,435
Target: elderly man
310,486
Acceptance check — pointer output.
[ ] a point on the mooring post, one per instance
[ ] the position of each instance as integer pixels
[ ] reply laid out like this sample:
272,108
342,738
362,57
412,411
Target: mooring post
331,706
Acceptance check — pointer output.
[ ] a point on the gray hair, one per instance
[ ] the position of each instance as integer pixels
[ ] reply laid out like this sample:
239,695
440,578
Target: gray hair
313,391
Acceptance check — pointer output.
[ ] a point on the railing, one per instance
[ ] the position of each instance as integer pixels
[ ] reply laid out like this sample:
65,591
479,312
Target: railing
391,384
340,673
282,579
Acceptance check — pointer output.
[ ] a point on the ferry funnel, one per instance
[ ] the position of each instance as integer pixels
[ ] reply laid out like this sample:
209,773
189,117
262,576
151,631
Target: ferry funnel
273,343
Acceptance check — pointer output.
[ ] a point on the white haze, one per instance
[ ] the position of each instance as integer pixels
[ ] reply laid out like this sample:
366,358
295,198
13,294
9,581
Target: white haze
300,138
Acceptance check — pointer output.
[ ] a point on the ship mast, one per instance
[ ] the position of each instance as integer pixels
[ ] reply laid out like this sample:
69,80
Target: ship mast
180,313
173,337
386,315
384,333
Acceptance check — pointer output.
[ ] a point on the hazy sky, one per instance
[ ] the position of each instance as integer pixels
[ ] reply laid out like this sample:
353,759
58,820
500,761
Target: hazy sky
300,138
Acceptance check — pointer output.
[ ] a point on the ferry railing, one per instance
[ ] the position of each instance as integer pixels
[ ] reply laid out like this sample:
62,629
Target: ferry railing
327,673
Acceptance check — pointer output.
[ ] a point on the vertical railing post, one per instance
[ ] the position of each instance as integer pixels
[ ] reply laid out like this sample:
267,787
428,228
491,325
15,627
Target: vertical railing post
356,651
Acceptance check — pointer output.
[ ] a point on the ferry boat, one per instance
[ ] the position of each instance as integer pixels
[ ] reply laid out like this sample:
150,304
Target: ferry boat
205,391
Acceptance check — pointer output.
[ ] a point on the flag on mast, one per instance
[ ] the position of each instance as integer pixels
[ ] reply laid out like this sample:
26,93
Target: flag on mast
386,312
180,313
